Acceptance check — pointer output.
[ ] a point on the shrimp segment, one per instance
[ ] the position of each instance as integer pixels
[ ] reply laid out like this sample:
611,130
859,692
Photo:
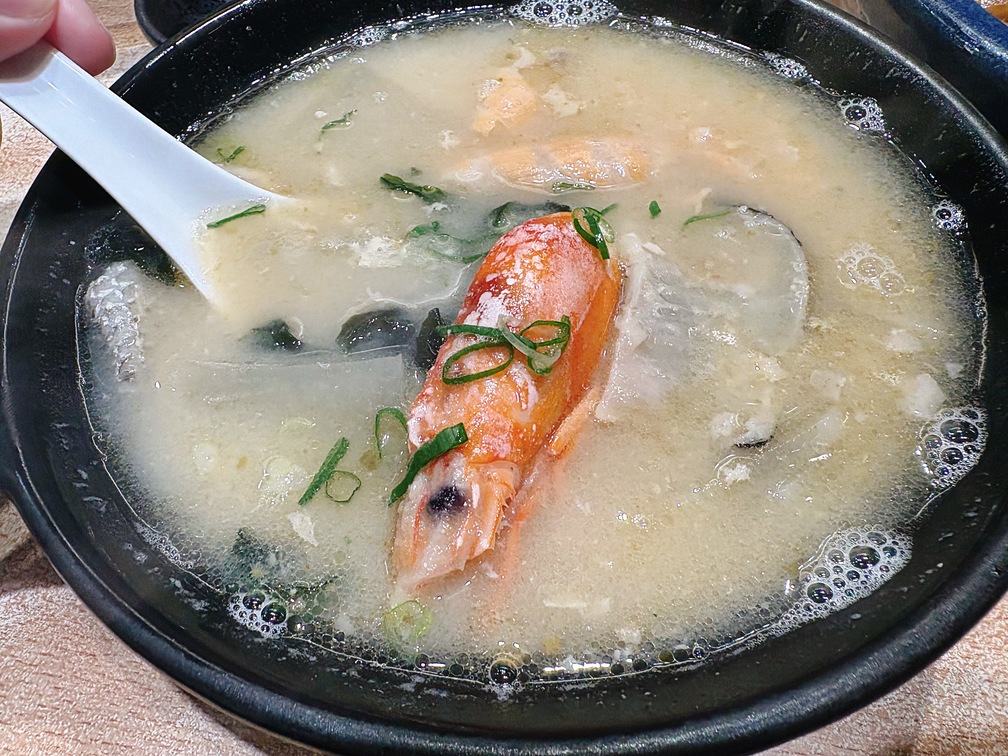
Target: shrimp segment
541,270
605,162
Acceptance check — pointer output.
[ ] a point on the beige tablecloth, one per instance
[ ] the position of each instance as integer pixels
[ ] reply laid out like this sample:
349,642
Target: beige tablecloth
67,685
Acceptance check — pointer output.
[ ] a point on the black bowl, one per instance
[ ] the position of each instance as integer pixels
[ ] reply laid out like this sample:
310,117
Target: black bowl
161,19
787,685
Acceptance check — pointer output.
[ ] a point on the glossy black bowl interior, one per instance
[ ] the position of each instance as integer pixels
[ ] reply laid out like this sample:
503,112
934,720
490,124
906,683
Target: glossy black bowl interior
785,686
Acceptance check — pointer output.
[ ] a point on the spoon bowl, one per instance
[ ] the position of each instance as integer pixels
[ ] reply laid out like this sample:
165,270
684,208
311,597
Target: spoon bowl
169,189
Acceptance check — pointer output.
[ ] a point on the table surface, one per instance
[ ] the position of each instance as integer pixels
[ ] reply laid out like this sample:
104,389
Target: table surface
68,685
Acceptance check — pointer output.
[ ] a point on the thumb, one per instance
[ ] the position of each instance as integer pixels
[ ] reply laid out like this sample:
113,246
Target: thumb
23,23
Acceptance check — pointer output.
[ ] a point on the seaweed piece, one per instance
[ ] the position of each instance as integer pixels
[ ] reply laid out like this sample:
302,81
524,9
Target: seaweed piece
426,192
511,214
256,562
429,340
386,330
267,575
123,239
438,242
276,335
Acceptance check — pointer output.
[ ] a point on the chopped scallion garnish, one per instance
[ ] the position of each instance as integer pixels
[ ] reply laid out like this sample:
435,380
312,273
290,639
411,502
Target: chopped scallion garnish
454,329
406,623
228,158
254,210
339,123
540,355
608,208
425,192
654,208
342,486
705,216
453,378
325,471
446,440
593,228
392,412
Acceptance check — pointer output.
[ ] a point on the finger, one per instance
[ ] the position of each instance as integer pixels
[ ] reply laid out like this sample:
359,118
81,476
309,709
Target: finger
81,36
23,23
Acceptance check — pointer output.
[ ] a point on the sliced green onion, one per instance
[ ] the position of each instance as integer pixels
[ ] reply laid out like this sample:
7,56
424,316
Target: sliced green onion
539,361
447,439
563,327
325,471
406,623
228,158
425,192
608,208
453,379
339,123
654,208
338,483
454,329
567,186
392,412
540,355
705,216
593,228
254,210
542,362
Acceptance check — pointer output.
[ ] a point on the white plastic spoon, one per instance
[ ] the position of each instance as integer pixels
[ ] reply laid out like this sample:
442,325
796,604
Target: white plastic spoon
166,187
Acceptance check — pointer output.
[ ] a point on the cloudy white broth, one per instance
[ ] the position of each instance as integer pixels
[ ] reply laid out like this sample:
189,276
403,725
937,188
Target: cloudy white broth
784,383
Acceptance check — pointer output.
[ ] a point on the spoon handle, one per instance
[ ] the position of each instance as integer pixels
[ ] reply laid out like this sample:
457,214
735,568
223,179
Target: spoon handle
167,187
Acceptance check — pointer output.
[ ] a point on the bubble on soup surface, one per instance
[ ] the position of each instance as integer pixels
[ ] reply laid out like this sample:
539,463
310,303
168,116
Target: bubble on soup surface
259,612
369,35
948,216
163,545
786,67
863,265
863,113
951,444
850,565
565,13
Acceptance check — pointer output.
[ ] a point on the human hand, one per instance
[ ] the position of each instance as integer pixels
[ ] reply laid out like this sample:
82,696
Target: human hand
68,25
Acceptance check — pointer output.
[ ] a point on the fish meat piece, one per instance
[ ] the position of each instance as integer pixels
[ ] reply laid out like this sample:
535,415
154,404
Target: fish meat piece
540,270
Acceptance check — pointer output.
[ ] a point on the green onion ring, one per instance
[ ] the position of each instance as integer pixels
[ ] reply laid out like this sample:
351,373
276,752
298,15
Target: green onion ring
598,232
393,412
453,380
344,475
447,439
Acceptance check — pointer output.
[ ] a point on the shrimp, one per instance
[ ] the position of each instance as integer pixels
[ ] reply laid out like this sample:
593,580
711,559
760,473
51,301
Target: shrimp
601,162
541,270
